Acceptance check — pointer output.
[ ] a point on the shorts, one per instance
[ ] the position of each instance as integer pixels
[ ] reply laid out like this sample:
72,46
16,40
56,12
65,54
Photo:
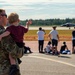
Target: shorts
54,42
73,43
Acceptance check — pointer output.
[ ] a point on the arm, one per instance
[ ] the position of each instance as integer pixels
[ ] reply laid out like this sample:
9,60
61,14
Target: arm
50,47
58,37
28,23
4,34
66,47
44,31
49,36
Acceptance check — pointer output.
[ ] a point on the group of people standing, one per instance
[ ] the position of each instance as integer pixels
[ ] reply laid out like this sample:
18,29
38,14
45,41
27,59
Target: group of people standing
53,37
53,42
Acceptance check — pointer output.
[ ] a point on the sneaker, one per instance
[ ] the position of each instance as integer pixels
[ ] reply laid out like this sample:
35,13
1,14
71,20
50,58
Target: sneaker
13,70
42,52
57,53
19,61
69,53
73,52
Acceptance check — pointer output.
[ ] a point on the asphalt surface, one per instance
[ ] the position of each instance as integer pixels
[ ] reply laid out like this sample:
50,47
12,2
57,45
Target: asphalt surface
45,64
50,28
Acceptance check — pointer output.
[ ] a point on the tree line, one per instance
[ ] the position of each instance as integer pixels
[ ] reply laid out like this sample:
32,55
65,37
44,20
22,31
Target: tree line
49,22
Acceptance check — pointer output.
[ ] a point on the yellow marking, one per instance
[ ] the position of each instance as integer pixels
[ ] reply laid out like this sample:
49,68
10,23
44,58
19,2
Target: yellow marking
53,60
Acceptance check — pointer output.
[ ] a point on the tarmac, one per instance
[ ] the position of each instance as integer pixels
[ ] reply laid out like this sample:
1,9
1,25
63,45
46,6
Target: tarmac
46,64
50,28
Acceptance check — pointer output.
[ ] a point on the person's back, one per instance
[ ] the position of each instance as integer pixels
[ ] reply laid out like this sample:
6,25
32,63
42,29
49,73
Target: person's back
73,41
3,58
17,32
48,48
54,37
40,35
63,47
73,33
54,34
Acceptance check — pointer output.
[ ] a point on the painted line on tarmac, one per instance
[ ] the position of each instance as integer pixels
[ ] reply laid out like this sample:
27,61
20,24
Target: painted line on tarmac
53,60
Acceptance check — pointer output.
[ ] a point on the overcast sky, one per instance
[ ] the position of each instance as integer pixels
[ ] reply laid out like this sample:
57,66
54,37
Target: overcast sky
40,9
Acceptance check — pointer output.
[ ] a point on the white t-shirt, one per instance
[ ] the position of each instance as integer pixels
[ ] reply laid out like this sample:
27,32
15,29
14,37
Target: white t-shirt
40,35
54,34
48,47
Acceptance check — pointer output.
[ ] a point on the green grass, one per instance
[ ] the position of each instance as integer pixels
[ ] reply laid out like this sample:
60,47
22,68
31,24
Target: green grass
61,32
65,35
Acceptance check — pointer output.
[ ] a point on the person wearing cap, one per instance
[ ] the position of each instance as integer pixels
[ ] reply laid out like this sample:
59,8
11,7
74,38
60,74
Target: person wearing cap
54,37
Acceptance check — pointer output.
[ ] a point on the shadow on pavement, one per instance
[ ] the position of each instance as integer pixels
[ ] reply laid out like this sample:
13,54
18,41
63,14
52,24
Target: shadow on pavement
64,56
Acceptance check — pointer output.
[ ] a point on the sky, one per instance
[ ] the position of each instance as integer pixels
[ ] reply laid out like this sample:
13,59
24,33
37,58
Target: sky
40,9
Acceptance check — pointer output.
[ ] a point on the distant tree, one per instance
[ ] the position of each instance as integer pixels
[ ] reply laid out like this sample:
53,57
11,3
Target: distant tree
48,22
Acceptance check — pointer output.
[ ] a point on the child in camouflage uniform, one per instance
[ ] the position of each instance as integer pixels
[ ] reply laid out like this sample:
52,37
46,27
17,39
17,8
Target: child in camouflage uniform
17,32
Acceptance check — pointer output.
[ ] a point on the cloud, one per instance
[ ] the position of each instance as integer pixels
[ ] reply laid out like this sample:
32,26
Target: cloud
63,16
63,1
36,16
21,2
47,16
40,9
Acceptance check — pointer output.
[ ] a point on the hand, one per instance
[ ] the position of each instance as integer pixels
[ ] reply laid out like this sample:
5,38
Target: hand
29,22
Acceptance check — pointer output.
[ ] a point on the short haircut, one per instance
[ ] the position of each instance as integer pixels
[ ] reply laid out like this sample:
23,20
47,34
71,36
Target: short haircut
64,42
13,17
49,43
40,28
1,10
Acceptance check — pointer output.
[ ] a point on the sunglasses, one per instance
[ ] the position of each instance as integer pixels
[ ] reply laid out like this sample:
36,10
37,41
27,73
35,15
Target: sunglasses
4,15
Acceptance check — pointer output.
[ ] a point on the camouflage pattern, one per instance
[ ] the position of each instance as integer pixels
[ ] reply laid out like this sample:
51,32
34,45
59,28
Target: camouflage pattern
7,45
11,47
